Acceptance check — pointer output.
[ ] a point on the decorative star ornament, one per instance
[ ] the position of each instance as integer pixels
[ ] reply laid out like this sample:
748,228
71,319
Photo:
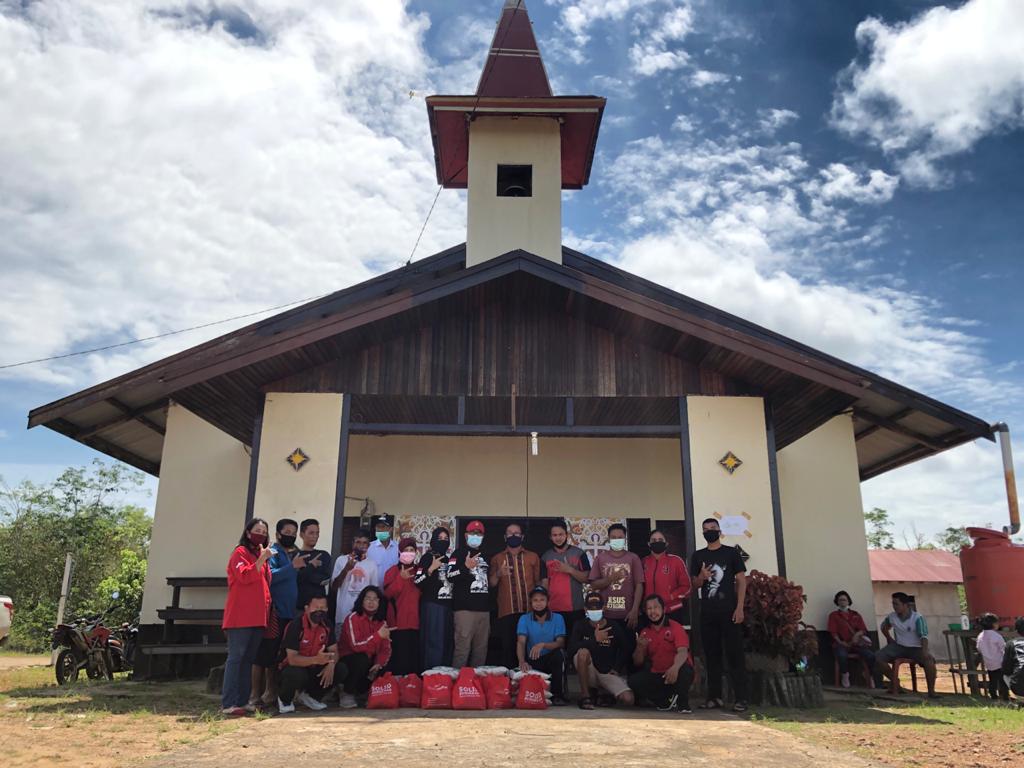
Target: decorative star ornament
297,459
730,462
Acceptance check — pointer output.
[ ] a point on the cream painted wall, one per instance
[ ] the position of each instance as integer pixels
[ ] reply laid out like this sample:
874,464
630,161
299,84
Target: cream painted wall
311,422
823,519
938,603
719,425
497,225
200,510
486,476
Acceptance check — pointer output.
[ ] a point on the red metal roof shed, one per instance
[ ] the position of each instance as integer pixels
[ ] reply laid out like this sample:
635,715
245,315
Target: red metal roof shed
933,566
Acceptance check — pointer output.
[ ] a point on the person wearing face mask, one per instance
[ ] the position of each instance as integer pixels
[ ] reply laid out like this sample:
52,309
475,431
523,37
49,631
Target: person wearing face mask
352,574
245,613
564,569
316,573
404,610
285,564
515,572
600,649
437,640
720,577
467,569
383,551
540,643
309,669
618,575
665,576
849,635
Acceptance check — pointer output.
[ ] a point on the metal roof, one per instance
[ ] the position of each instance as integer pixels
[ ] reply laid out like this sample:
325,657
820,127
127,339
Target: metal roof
923,566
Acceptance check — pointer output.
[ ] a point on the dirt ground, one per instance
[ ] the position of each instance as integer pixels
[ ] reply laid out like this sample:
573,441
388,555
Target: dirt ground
19,661
558,738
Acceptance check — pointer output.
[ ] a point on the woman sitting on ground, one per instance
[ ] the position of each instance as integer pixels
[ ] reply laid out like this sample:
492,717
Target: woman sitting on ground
364,645
849,635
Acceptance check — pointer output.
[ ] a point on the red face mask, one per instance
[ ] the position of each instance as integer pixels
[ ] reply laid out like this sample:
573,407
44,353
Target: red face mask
258,539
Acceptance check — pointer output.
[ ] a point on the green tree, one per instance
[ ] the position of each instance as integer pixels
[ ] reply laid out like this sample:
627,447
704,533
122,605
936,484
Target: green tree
877,525
953,540
83,512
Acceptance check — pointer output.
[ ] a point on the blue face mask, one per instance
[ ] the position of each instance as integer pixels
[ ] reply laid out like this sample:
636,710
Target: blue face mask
617,545
595,616
383,537
474,540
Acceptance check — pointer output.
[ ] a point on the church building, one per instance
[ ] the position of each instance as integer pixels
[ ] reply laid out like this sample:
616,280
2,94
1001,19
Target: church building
507,378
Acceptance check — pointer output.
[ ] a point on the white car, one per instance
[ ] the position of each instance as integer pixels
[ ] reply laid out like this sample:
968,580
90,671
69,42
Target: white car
6,617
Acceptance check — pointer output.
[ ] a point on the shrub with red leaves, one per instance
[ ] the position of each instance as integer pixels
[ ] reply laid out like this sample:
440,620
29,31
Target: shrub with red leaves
773,608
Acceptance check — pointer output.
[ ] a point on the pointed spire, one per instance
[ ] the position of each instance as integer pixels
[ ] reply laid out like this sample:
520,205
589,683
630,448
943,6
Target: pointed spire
514,67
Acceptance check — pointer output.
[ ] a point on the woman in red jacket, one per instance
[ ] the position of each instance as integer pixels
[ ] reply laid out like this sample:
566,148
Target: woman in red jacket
245,613
364,645
404,610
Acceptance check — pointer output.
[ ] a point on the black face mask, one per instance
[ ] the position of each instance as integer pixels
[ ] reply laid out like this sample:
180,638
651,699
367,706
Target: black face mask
439,542
288,541
540,614
318,617
514,541
712,536
657,547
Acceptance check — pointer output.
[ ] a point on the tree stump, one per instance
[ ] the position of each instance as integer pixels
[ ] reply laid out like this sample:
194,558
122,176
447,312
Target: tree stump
785,689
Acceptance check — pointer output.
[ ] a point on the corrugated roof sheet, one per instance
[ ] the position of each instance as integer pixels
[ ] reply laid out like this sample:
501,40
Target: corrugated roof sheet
921,565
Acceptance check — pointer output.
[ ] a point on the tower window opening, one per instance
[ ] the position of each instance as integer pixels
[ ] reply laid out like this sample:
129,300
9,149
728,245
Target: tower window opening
515,181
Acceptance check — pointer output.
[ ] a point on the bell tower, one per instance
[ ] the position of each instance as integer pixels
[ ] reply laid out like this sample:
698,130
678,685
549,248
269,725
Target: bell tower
514,146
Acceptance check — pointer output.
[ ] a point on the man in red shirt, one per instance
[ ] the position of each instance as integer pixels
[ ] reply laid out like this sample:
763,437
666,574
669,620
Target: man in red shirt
663,650
665,576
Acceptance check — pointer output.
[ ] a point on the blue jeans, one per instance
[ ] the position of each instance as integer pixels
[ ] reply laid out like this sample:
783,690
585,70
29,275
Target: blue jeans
436,635
243,644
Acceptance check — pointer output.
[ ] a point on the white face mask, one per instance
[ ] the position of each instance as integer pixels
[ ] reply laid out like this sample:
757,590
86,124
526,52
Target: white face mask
617,545
474,540
595,616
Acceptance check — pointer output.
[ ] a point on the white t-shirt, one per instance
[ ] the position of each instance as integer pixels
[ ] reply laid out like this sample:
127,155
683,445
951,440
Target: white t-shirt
384,557
362,575
991,646
908,632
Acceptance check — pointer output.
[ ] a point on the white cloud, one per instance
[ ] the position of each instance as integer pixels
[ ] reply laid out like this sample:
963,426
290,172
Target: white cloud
936,85
653,53
579,15
170,167
704,77
771,120
840,182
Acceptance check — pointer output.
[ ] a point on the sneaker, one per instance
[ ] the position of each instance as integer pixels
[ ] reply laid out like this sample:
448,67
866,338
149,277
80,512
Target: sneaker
285,709
670,705
309,702
684,709
347,701
234,711
846,680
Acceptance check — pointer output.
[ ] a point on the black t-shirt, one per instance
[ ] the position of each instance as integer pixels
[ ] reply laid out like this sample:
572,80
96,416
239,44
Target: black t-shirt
293,636
718,594
471,589
435,587
310,579
606,658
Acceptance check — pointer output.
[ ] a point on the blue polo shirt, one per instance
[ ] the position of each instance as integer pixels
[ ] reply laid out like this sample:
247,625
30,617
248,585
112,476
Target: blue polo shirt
540,632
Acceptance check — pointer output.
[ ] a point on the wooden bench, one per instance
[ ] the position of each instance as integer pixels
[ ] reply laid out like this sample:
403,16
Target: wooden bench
980,679
174,612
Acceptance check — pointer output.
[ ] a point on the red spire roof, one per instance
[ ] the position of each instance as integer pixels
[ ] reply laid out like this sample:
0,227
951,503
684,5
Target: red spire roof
514,67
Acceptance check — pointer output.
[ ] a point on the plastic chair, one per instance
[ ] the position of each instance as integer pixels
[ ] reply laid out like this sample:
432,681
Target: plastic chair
894,684
853,656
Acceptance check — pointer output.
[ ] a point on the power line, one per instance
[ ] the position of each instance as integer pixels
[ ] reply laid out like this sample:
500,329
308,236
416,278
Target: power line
159,335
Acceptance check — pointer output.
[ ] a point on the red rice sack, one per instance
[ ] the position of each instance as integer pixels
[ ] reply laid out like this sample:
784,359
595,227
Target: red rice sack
383,693
498,692
468,692
437,692
531,693
410,689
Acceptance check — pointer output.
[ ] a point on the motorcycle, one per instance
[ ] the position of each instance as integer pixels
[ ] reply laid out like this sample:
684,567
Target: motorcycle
87,643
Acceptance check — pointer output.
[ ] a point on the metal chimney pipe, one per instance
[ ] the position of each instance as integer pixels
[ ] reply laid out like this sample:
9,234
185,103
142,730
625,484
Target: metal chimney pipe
1011,483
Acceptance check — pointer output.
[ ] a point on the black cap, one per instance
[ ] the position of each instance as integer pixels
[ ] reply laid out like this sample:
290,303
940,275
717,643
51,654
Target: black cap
387,520
539,590
593,600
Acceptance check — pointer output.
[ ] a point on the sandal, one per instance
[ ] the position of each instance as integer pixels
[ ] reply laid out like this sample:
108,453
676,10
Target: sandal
586,703
739,706
712,704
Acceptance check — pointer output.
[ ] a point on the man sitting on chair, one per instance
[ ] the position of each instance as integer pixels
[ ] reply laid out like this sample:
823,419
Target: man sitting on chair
907,633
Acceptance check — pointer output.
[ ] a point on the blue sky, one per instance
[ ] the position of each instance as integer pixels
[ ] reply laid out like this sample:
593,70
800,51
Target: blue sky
848,173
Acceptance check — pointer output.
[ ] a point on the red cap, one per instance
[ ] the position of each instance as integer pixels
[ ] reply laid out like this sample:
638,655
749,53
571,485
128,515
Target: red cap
475,527
407,541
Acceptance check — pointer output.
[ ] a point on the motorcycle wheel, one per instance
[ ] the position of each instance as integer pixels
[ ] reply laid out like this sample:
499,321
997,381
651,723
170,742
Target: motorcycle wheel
66,667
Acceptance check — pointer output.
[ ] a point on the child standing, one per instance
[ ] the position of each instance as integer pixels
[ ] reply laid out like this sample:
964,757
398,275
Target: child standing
991,646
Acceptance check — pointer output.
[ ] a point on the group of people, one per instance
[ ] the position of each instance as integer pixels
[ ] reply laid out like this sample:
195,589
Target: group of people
906,633
617,621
